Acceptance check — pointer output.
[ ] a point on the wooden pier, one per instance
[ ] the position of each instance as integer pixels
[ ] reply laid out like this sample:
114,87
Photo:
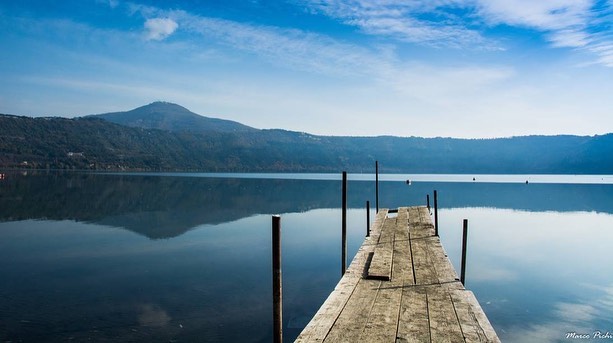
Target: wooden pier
400,287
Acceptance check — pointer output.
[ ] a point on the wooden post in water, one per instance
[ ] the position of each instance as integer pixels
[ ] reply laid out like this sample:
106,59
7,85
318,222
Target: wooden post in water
377,185
277,292
344,227
367,218
428,201
435,214
464,238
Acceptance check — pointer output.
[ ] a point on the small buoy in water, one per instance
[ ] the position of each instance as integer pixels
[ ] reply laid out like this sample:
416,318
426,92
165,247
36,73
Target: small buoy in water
409,182
526,182
474,179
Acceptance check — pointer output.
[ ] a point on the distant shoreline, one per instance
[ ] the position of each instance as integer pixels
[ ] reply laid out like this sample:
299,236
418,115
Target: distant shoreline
366,177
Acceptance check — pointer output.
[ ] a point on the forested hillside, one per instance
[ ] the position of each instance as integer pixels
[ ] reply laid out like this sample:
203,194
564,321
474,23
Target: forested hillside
95,144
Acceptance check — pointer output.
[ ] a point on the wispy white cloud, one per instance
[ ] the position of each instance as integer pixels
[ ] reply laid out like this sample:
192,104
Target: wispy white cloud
322,54
605,52
564,23
448,88
573,24
427,22
109,87
297,49
159,28
543,15
569,38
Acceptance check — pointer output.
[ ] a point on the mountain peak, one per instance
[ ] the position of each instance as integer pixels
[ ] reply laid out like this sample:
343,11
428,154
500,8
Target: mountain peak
163,105
169,116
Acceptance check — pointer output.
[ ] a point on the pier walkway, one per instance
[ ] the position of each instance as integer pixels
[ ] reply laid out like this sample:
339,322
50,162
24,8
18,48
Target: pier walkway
400,287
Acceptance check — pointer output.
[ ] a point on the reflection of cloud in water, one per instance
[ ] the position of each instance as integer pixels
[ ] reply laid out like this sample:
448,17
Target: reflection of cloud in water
550,332
607,300
575,313
483,272
152,315
567,318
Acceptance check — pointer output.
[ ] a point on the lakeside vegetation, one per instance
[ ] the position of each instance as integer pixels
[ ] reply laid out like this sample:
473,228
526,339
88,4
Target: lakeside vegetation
173,142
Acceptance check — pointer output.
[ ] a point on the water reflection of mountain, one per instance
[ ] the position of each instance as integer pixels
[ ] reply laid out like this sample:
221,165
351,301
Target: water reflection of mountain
155,206
160,207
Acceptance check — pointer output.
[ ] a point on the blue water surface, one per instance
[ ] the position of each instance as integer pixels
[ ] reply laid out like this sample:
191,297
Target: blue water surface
187,257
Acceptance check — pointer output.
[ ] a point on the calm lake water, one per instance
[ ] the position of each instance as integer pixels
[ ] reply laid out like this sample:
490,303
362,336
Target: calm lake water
187,257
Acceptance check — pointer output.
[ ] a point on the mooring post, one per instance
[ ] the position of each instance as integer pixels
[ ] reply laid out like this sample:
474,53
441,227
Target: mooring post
377,185
435,214
277,291
428,201
367,218
464,238
344,226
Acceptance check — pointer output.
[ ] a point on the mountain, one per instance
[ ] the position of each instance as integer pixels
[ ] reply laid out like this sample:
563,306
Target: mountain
171,117
93,143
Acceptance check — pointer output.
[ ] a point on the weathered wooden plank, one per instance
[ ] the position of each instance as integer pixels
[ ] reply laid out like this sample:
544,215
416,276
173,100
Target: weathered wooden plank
402,267
381,265
468,322
444,323
383,319
413,216
419,256
352,320
451,286
425,273
420,225
375,228
475,325
413,324
403,217
426,217
379,219
444,269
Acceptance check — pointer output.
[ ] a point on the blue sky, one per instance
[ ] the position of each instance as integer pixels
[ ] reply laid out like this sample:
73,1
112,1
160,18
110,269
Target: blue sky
453,68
